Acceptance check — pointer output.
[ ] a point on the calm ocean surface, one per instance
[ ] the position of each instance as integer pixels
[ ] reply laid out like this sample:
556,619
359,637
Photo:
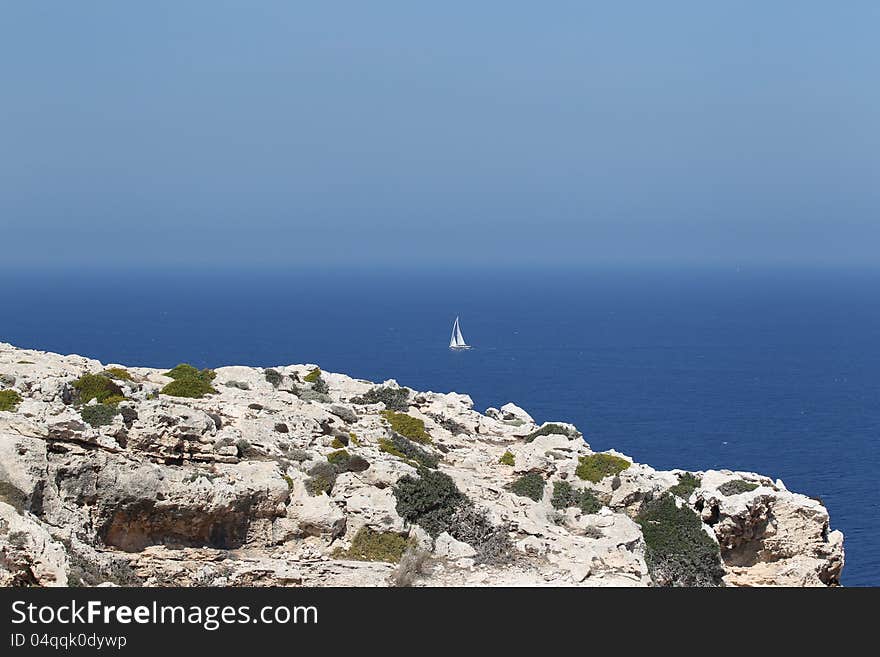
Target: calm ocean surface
776,371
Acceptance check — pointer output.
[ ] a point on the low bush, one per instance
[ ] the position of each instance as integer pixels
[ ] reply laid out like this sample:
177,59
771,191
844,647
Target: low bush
429,500
114,400
273,376
395,399
687,484
413,564
189,382
407,426
322,478
402,448
313,376
530,485
453,427
565,496
95,386
371,545
472,526
298,455
339,442
193,387
186,371
598,466
119,373
507,459
736,486
9,400
309,394
98,415
677,550
340,459
551,429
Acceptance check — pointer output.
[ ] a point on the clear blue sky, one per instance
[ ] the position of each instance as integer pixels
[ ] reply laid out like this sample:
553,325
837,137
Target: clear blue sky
262,132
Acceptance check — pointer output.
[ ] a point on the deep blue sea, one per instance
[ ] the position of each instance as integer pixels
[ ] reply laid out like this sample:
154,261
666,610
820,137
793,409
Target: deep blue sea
776,371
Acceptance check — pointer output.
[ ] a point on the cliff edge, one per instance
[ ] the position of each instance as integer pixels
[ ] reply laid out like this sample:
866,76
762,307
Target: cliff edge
292,476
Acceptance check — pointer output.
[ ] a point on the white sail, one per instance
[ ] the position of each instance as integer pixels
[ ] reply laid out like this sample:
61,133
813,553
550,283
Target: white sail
457,339
452,341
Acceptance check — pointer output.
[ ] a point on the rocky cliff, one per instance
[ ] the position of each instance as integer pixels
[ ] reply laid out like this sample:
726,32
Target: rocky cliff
293,476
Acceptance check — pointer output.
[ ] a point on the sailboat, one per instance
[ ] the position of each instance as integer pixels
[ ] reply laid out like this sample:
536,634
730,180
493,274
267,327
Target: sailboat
457,339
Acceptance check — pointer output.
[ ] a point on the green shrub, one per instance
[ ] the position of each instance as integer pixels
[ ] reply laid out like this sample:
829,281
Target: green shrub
336,443
95,386
736,486
507,459
113,400
340,459
371,545
189,386
313,376
550,429
189,382
565,495
98,415
407,426
352,436
288,480
186,371
322,478
387,445
598,466
307,394
118,373
429,500
530,485
402,448
273,376
687,484
9,400
677,550
395,399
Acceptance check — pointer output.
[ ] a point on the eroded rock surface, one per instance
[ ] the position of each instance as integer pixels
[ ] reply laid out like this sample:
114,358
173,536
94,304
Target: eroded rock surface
291,476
